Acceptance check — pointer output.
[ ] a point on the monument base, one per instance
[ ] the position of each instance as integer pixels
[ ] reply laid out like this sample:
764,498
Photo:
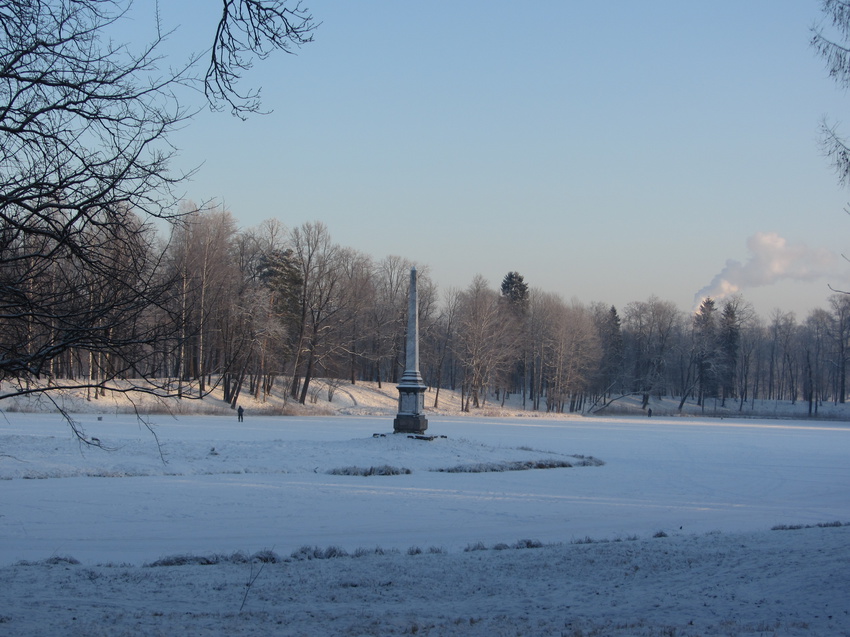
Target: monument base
410,424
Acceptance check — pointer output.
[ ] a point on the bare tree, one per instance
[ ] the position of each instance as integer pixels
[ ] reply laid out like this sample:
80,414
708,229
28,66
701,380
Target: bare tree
543,310
84,166
651,327
388,317
80,163
573,355
442,338
816,343
317,257
840,334
752,335
485,340
358,295
202,255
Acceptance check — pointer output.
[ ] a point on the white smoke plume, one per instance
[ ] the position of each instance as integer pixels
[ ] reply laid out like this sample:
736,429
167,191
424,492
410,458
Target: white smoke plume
772,259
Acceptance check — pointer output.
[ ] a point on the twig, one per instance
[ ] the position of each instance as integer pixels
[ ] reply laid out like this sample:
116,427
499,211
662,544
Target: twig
76,428
251,579
150,428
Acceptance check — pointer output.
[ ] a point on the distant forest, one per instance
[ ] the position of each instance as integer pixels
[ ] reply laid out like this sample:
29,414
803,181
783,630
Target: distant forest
93,295
276,307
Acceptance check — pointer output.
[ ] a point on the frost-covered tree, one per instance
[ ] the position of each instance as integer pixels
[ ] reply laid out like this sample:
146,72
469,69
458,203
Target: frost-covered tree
831,41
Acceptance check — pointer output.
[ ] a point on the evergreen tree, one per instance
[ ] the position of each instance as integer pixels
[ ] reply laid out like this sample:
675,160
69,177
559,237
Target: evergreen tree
705,343
729,337
280,273
611,344
515,290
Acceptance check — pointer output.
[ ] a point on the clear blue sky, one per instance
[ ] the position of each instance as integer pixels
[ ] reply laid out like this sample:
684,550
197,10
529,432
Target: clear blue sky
607,151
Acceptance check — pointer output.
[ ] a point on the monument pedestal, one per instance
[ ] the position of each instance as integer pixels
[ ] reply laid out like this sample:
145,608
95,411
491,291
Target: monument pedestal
410,424
411,405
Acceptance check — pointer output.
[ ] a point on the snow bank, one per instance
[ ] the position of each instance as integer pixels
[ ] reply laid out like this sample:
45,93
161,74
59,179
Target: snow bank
775,583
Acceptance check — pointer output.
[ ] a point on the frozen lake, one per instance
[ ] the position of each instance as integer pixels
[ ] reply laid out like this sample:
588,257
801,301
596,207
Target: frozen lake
264,486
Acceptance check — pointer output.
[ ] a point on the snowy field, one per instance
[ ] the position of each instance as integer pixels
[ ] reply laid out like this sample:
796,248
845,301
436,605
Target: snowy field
660,526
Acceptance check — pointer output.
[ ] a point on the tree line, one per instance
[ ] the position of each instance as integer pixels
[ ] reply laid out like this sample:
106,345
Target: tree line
275,308
92,295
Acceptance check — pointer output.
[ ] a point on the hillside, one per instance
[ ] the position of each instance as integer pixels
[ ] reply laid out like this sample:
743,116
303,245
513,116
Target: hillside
336,397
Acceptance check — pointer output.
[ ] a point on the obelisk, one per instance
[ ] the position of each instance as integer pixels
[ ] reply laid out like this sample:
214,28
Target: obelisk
411,389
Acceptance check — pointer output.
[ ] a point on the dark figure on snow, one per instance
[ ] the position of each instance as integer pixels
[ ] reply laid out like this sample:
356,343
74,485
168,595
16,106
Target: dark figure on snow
239,413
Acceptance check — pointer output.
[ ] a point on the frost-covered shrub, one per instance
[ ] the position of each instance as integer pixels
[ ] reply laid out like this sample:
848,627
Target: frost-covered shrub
237,558
819,525
362,552
185,560
528,544
383,470
826,525
51,561
334,551
316,553
478,546
267,557
307,553
523,465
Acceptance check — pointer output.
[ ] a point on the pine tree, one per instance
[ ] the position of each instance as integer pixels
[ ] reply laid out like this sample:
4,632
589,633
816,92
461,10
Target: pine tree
705,335
279,271
611,341
729,337
515,290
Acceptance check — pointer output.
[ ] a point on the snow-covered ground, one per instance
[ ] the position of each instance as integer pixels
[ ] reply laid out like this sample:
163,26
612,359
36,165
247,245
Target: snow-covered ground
660,526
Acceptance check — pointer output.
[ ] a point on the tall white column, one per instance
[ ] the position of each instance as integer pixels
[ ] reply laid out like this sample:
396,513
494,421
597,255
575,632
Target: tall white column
411,388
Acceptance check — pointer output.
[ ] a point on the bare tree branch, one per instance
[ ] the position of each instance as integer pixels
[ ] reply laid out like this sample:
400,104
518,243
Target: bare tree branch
250,29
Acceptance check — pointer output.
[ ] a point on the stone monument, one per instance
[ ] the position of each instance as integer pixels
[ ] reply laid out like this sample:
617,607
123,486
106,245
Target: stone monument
411,389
